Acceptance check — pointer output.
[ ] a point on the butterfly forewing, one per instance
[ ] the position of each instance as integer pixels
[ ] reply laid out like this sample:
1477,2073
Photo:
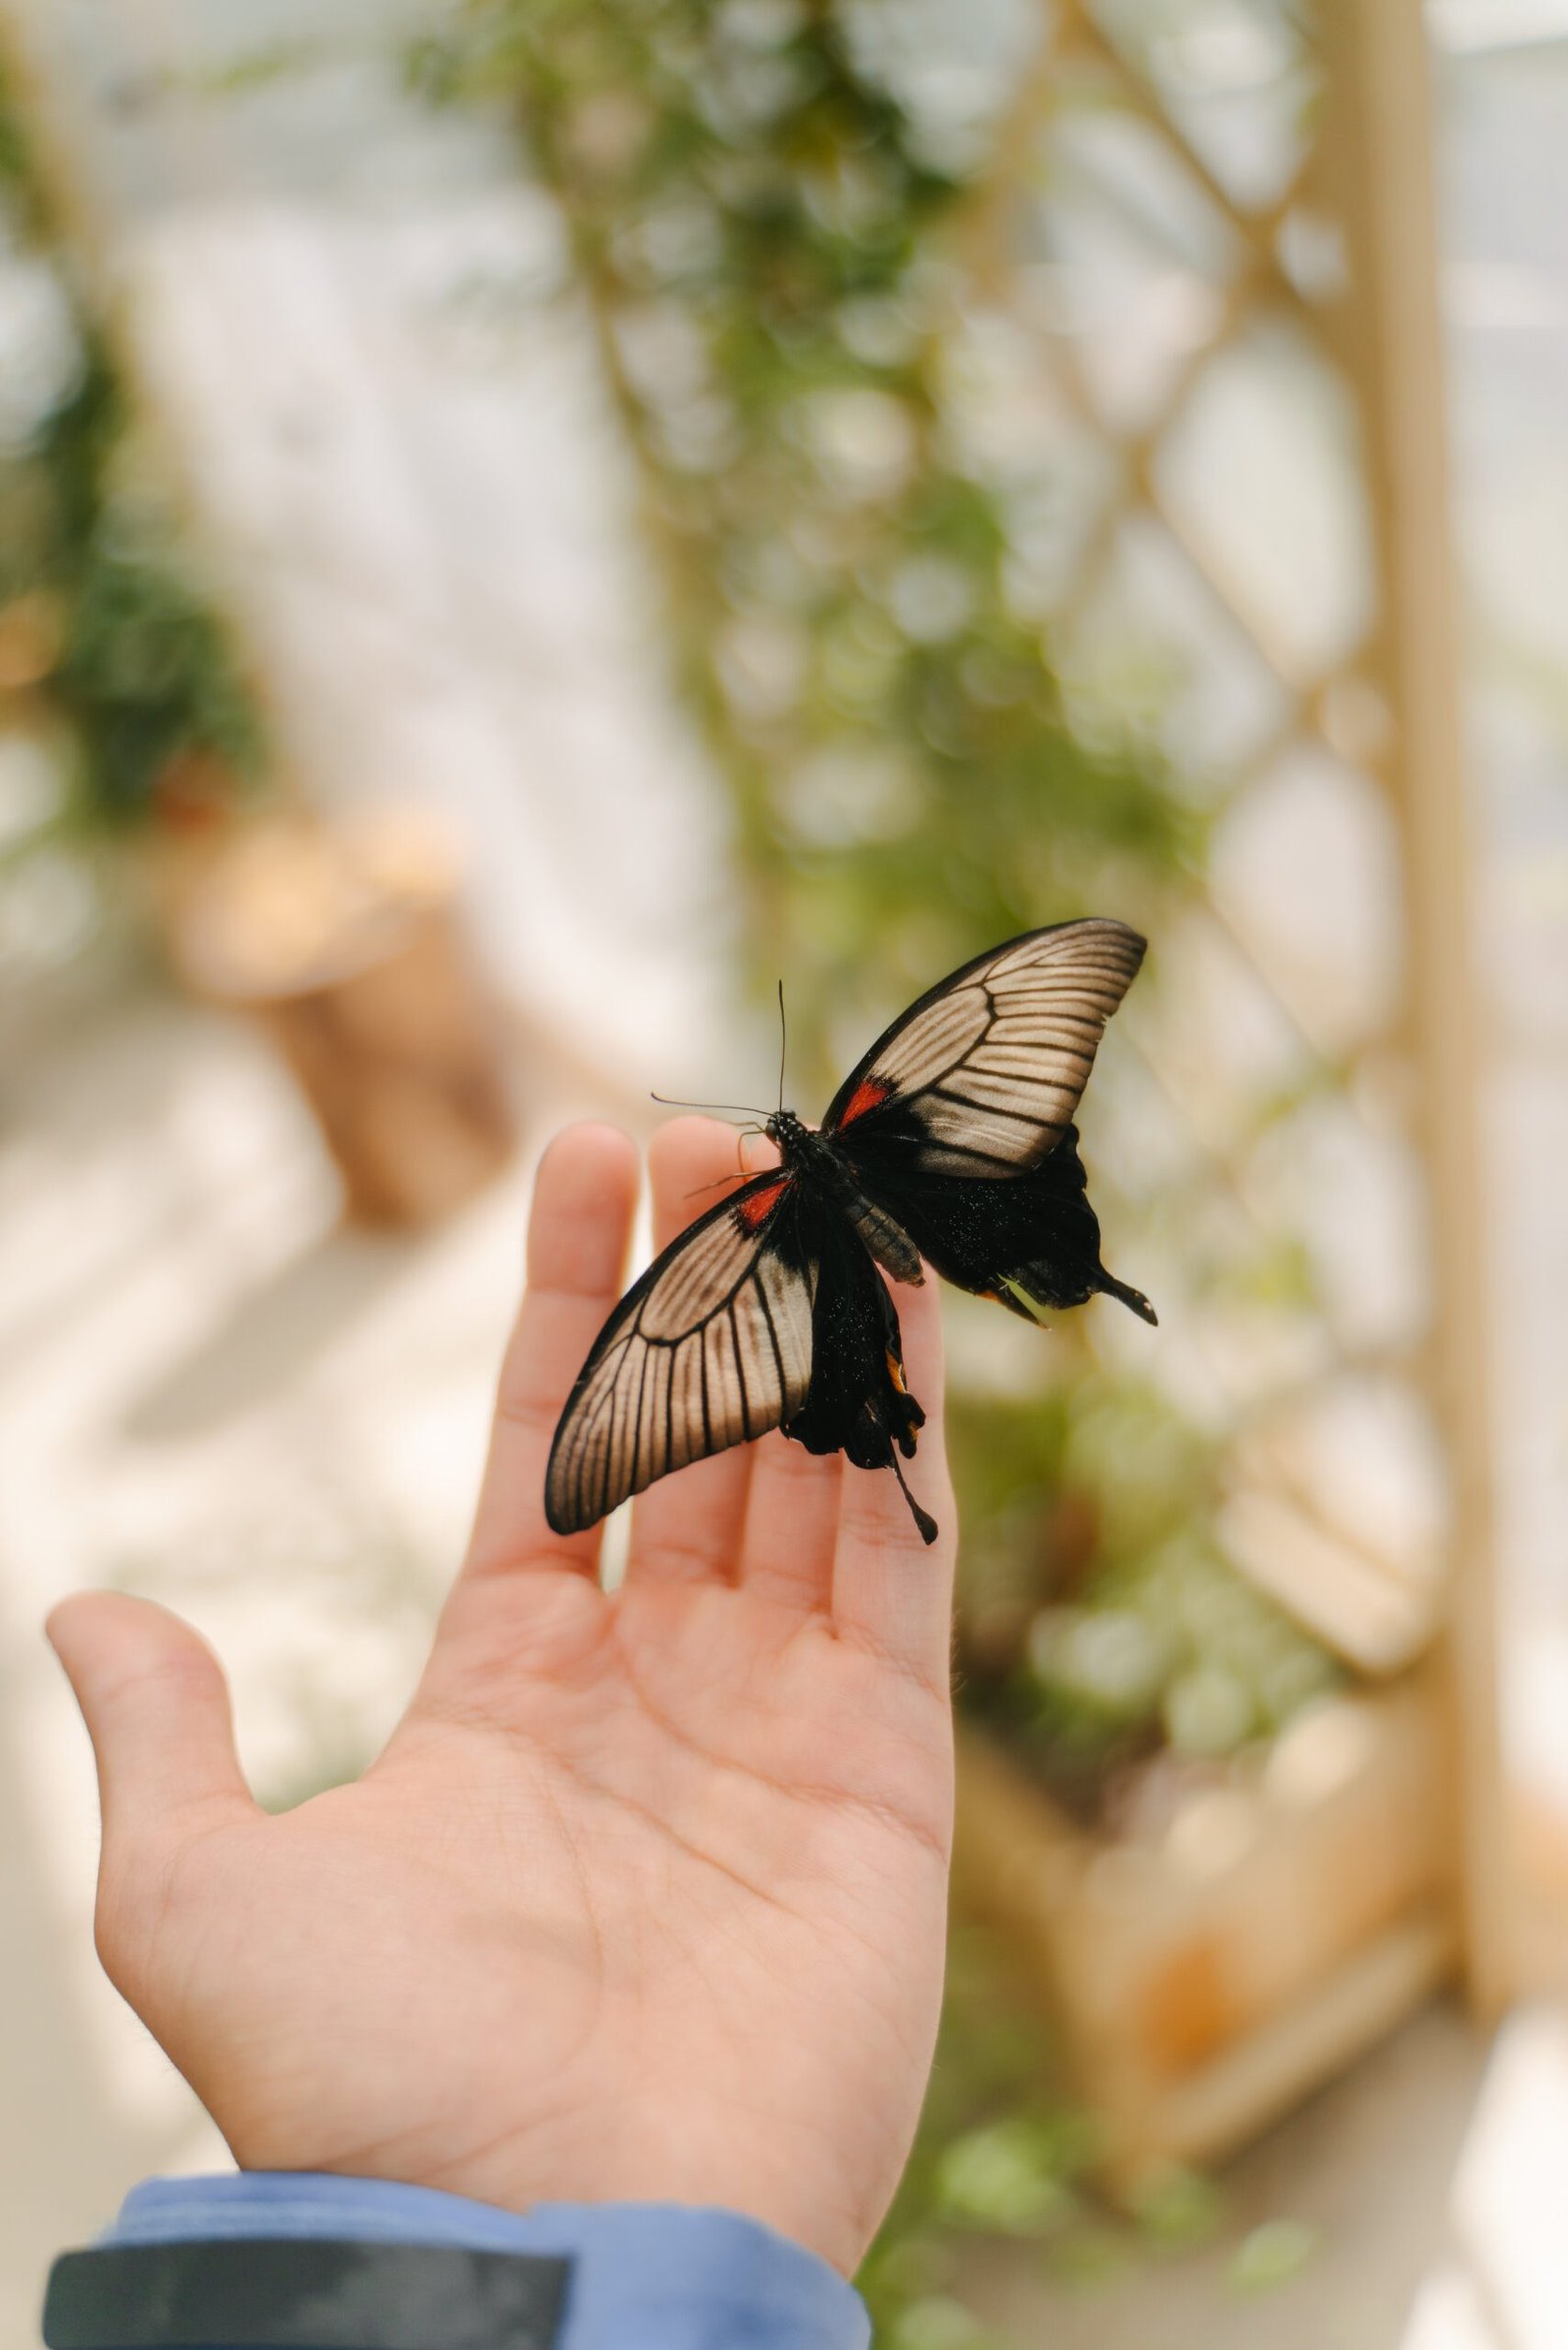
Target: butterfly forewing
982,1076
712,1345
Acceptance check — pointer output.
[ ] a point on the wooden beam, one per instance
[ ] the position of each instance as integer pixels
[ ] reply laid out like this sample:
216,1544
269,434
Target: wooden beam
1377,155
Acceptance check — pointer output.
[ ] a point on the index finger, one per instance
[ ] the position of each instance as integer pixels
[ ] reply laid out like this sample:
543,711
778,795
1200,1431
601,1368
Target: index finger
578,1233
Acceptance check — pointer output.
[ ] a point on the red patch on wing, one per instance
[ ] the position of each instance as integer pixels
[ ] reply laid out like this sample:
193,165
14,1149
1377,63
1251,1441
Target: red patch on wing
756,1207
869,1093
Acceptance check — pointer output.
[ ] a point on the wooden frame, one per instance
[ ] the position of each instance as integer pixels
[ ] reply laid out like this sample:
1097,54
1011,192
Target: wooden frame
1199,2003
1279,1926
1380,147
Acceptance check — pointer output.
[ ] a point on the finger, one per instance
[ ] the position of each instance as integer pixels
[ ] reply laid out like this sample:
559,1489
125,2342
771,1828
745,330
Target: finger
583,1196
156,1705
889,1588
687,1528
792,1515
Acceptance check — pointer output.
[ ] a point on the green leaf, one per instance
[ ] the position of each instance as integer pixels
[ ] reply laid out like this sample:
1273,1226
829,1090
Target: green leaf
1271,2256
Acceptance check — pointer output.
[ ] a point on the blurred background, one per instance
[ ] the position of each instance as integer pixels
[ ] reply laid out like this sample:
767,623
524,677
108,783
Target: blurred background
521,522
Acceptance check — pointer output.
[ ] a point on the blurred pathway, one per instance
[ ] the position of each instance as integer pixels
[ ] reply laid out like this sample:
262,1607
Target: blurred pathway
1414,2205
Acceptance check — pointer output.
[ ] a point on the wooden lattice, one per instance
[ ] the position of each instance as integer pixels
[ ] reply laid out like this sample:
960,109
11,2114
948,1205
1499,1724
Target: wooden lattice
1203,272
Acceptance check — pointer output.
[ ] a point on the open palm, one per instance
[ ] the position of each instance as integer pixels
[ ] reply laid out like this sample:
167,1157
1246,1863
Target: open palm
645,1898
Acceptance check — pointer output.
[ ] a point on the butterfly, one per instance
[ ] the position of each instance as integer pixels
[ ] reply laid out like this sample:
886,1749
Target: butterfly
952,1140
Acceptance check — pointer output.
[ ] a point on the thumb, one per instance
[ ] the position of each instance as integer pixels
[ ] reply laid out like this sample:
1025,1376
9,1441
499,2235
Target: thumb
156,1705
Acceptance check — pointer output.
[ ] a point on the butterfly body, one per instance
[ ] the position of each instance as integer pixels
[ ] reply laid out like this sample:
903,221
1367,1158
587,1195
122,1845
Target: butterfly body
813,1159
953,1141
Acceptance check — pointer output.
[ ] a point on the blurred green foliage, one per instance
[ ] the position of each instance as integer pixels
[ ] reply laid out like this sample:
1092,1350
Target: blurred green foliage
999,2151
1004,2153
1272,2255
773,248
101,621
1098,1624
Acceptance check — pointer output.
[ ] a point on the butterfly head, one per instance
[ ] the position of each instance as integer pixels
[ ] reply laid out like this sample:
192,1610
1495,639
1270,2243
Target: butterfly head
789,1132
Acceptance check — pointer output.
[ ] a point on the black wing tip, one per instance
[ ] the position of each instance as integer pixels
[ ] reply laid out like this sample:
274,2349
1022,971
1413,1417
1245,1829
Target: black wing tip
1133,1299
561,1518
1133,944
1133,940
925,1525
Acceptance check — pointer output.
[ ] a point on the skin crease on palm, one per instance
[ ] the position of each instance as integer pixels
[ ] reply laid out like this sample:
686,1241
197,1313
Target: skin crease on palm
645,1899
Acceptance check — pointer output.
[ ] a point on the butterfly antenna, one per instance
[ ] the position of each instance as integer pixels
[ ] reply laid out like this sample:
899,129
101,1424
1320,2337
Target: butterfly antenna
717,1184
783,1044
744,1108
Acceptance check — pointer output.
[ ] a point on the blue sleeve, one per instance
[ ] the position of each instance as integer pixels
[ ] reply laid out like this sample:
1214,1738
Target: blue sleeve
644,2275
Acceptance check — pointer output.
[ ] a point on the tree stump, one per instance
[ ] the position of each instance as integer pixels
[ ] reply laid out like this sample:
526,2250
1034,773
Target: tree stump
342,940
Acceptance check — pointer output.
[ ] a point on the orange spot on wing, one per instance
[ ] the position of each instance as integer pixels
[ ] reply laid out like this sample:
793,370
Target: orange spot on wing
869,1093
756,1207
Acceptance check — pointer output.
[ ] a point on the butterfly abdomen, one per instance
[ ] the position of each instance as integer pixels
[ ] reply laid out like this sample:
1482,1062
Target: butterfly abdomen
858,1403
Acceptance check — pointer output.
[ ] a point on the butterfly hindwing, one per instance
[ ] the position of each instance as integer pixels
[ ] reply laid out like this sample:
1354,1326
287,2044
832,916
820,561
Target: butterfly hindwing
712,1347
1031,1243
982,1076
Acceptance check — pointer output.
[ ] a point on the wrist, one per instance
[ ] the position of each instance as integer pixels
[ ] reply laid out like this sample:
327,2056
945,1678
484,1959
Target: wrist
783,2186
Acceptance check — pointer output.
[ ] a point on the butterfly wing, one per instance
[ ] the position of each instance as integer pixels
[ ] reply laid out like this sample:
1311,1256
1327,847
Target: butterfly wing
767,1312
960,1120
982,1075
1031,1243
712,1347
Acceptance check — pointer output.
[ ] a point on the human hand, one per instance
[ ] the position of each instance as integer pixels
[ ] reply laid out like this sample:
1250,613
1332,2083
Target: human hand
645,1899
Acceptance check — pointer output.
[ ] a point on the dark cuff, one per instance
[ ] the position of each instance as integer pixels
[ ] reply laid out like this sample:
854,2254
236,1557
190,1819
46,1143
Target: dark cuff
259,2294
297,2260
